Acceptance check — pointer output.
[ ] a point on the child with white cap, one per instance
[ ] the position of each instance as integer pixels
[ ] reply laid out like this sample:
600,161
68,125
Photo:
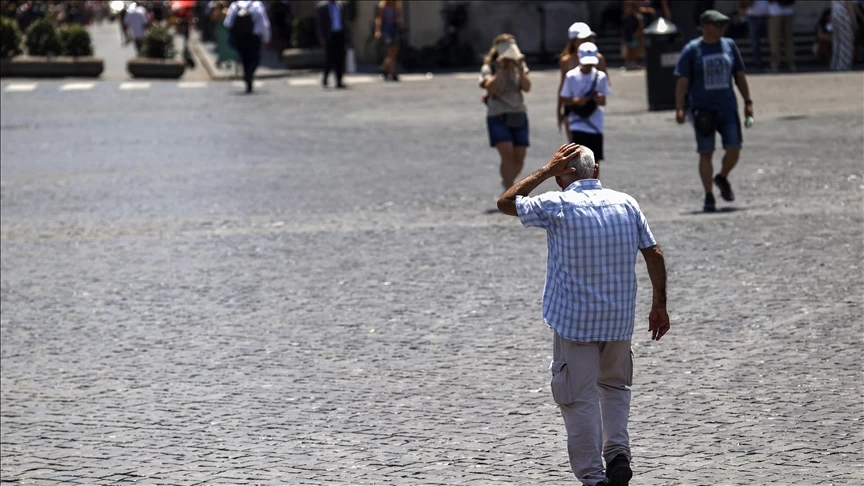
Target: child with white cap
578,33
583,96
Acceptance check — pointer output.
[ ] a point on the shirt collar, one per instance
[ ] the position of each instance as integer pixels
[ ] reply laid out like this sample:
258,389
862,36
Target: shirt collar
585,185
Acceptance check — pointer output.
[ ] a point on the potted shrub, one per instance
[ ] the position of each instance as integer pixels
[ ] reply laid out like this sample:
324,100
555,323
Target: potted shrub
42,39
75,41
157,57
10,38
52,53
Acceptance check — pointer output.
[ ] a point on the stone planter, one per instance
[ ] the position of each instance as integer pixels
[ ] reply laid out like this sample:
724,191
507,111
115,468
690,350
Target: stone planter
144,67
314,58
52,67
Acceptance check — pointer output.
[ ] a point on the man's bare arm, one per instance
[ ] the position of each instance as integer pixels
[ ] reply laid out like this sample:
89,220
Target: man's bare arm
681,88
741,82
557,166
658,319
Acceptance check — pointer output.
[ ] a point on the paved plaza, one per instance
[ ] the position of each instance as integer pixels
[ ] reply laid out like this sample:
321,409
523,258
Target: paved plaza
307,286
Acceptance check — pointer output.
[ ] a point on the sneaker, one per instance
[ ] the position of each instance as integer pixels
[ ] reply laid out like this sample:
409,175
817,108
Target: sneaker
725,188
710,204
618,471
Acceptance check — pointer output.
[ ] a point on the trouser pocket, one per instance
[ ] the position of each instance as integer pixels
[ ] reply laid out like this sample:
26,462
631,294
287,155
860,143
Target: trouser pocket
630,371
561,390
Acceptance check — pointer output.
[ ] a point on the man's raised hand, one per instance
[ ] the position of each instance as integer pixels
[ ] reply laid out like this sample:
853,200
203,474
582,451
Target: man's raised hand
558,165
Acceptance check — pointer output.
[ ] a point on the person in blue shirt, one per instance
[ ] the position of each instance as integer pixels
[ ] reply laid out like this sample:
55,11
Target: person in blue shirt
706,68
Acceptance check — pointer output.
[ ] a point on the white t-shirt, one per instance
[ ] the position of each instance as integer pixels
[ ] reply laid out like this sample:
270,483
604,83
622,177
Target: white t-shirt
576,85
259,17
776,9
760,8
136,21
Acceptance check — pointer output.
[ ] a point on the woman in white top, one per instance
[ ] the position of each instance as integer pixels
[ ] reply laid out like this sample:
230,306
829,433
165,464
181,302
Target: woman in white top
504,76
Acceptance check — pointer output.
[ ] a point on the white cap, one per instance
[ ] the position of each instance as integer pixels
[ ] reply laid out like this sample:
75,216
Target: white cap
509,50
588,54
580,30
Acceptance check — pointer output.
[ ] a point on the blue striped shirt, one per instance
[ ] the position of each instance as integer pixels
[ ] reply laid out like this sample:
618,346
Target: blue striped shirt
593,236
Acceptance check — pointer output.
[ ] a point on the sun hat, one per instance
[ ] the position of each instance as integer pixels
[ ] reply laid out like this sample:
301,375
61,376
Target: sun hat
713,17
509,50
588,54
580,30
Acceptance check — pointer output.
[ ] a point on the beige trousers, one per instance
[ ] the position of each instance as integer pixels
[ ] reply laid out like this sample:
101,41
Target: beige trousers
780,28
590,383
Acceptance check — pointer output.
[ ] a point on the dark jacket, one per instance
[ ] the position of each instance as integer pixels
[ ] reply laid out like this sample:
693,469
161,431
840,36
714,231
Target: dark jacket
324,23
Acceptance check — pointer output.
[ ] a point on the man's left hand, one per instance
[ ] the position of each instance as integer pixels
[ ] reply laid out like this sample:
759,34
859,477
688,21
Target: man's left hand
748,110
658,322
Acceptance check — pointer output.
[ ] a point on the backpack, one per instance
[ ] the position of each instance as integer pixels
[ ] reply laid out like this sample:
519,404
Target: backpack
590,106
243,24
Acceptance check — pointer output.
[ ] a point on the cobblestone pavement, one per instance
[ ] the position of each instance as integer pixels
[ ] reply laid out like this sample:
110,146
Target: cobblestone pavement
310,287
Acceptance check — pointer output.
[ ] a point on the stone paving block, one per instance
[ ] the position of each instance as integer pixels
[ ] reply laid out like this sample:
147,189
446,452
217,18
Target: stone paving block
255,299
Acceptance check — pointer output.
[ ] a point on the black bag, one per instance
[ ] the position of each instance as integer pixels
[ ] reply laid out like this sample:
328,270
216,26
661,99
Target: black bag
243,23
589,107
705,122
515,120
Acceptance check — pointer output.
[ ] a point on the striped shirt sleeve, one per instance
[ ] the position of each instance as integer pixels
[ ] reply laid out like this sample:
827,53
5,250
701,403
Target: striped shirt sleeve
532,212
646,238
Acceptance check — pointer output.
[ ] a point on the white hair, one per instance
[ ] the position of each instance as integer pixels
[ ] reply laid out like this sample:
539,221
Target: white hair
584,164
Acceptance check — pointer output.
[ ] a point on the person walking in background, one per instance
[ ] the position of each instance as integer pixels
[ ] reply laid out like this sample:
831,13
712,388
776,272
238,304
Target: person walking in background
844,25
706,67
124,32
780,27
758,12
631,33
578,33
332,23
504,76
388,26
824,37
584,98
593,236
282,19
249,28
137,20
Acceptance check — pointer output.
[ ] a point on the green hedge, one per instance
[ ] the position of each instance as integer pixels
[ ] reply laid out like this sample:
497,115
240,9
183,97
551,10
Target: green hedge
75,41
158,44
42,39
10,38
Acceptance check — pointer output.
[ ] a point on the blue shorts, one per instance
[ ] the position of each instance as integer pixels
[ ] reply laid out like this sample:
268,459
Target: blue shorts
728,125
500,132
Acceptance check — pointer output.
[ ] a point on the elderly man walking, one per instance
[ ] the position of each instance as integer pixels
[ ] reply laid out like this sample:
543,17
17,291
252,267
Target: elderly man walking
593,235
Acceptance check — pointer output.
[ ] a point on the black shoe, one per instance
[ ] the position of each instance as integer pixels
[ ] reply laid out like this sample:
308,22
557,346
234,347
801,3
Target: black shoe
248,86
341,86
394,77
618,471
725,188
710,204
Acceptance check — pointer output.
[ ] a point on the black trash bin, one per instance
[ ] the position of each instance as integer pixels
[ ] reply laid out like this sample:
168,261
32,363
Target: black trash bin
662,47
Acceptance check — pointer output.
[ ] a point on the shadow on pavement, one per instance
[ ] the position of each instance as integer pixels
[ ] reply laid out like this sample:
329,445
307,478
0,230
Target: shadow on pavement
730,209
